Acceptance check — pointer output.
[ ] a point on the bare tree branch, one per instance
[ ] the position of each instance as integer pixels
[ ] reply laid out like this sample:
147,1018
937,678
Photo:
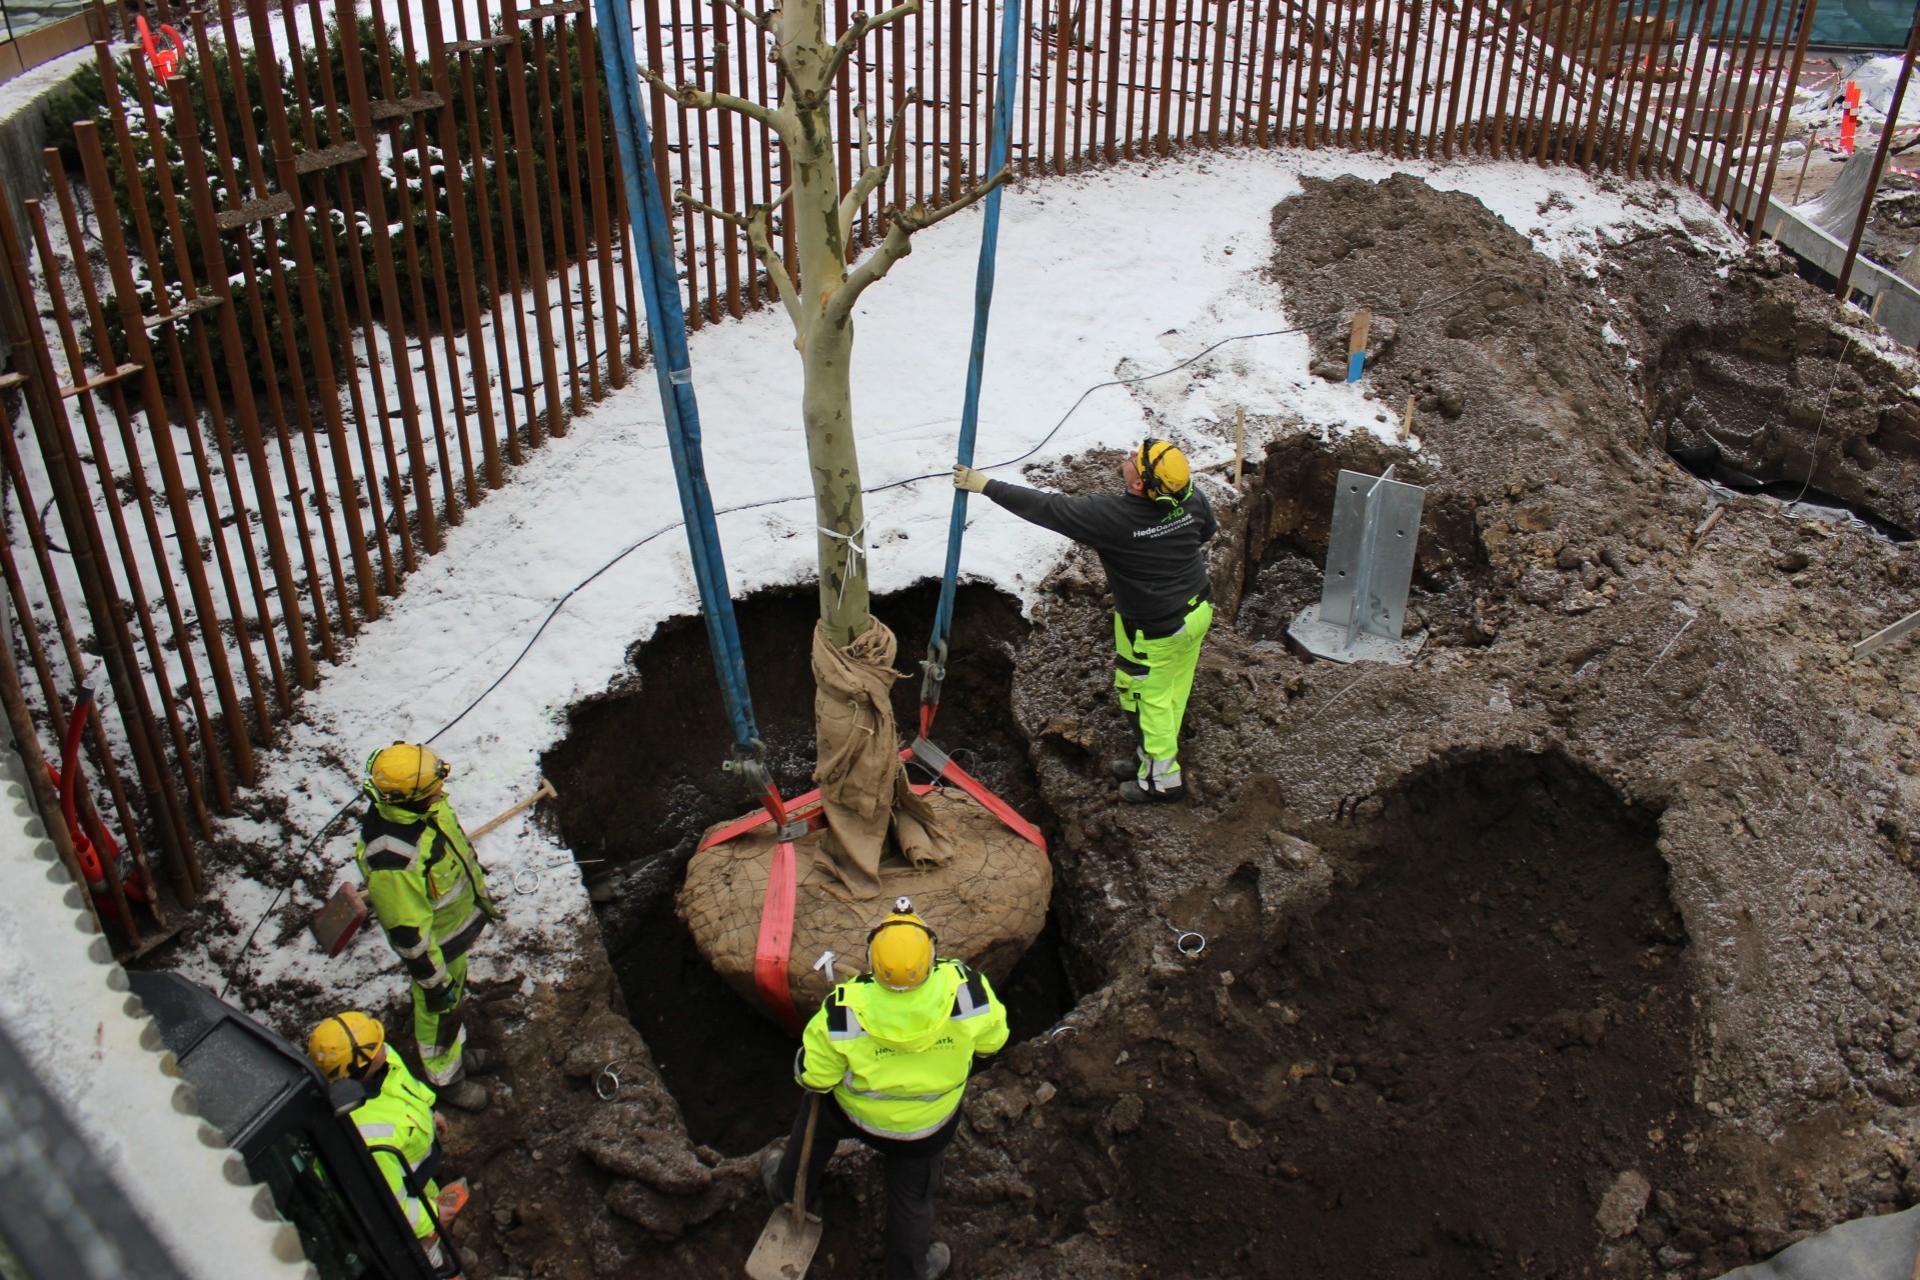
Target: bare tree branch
898,244
759,20
894,15
919,218
876,173
760,238
687,95
735,219
857,30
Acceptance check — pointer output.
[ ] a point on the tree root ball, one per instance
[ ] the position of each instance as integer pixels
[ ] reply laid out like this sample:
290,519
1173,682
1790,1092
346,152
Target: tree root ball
986,905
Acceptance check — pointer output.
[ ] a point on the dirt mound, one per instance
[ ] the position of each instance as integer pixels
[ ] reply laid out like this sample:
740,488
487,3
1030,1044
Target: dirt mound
1585,946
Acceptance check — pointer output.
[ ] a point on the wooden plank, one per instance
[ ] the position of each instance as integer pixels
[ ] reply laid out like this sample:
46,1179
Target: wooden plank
390,109
204,302
328,157
1887,635
254,211
474,46
95,384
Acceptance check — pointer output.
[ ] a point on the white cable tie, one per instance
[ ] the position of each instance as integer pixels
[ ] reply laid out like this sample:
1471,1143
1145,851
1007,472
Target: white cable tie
825,964
856,547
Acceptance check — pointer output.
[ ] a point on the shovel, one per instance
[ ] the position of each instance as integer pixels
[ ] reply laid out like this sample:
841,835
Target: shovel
786,1246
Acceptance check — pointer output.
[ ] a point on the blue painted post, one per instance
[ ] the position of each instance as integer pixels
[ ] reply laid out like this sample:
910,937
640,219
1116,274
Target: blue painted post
667,334
1005,87
1357,344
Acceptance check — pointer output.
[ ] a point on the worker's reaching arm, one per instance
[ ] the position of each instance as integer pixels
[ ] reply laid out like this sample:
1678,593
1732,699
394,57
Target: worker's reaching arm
1093,519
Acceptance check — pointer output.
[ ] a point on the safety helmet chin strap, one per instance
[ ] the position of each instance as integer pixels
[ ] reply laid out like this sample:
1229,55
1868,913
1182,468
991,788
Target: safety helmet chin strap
360,1058
1148,465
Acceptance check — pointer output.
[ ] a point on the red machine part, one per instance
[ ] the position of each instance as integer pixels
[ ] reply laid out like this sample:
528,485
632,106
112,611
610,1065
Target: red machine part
98,852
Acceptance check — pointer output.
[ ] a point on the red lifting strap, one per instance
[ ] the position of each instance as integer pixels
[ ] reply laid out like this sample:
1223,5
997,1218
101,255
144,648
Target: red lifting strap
775,944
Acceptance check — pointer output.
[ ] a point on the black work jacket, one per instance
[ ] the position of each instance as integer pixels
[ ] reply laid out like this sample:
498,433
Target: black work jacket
1151,548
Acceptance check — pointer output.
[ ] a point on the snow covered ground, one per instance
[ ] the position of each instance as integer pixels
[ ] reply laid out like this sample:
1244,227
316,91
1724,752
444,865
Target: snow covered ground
1116,274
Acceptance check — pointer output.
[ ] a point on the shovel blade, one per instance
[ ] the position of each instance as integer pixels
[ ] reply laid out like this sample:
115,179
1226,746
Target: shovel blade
785,1249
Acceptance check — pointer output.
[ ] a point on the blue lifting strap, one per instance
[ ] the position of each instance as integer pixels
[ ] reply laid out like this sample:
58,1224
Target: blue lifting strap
667,333
935,663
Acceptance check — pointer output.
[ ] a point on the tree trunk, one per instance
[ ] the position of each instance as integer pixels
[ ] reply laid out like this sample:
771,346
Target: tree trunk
827,407
826,349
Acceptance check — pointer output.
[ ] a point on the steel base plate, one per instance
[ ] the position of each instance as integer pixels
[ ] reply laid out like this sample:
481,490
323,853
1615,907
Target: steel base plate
1325,640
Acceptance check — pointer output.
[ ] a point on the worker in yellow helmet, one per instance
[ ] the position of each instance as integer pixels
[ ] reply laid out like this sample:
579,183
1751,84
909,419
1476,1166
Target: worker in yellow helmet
892,1050
396,1121
1151,539
430,895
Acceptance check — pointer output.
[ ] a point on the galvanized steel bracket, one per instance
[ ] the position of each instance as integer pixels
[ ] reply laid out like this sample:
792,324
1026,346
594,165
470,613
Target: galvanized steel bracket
1363,597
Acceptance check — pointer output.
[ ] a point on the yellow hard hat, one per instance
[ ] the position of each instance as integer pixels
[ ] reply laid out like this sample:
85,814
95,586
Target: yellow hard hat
1163,469
900,949
406,771
346,1044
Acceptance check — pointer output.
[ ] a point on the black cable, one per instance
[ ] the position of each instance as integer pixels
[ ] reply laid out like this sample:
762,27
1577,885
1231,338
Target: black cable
632,547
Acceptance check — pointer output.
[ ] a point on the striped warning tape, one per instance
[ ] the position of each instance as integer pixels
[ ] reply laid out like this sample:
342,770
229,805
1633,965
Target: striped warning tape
1835,146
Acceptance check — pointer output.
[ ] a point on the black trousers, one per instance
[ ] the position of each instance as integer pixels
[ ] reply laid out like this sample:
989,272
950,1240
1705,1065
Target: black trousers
912,1173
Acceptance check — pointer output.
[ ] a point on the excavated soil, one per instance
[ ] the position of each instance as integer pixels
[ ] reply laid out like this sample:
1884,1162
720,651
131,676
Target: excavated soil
669,716
1584,946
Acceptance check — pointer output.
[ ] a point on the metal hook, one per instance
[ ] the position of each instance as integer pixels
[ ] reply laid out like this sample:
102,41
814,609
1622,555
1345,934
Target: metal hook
1187,942
600,1087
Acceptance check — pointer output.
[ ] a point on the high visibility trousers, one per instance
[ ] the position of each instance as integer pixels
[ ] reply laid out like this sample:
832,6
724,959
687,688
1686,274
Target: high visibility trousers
1153,677
441,1035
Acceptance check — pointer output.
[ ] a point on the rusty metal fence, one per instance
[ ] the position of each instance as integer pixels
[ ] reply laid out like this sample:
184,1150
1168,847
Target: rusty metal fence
278,322
1687,87
283,319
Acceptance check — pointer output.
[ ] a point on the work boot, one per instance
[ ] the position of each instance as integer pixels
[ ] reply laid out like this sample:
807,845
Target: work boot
464,1095
1125,770
1157,780
939,1258
478,1061
1133,793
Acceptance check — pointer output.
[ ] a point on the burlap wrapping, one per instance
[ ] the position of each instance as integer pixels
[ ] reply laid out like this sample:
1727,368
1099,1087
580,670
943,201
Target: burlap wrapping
987,903
861,779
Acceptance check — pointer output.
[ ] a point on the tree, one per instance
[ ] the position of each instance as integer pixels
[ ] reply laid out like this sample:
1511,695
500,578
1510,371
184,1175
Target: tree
820,303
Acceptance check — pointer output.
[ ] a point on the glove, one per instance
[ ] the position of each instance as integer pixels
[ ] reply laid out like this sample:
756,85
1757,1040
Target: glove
491,912
440,999
967,478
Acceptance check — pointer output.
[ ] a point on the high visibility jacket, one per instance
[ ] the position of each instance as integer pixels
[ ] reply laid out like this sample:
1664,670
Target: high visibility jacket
897,1061
425,885
400,1117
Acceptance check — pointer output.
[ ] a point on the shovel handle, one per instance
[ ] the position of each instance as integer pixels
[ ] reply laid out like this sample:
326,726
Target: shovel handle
806,1158
546,792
